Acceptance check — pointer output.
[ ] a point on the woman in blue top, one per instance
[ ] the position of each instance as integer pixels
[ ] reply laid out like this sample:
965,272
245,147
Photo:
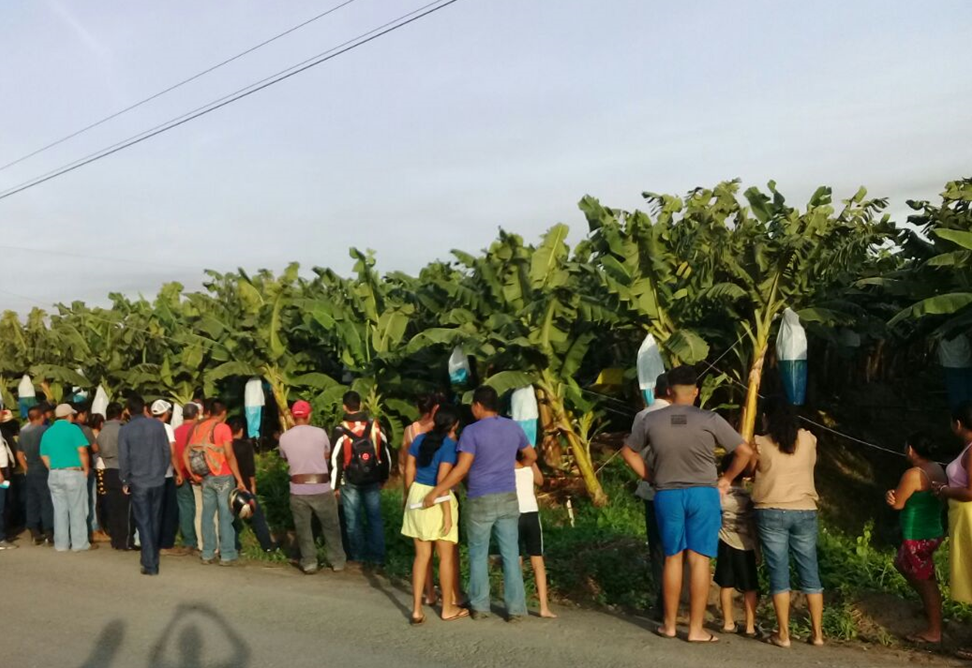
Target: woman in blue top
430,458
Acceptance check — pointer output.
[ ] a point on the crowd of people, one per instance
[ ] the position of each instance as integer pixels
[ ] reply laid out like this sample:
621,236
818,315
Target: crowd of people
128,478
697,509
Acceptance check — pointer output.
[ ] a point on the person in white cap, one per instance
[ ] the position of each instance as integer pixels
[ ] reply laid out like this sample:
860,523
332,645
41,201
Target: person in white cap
64,450
162,411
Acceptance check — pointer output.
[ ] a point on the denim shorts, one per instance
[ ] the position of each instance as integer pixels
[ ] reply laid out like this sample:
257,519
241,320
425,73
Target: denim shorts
786,533
689,519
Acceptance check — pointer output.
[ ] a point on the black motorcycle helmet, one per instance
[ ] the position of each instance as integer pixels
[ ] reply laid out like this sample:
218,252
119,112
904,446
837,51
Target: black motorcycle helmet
242,503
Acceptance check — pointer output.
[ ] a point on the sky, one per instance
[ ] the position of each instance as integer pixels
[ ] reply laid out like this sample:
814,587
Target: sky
487,114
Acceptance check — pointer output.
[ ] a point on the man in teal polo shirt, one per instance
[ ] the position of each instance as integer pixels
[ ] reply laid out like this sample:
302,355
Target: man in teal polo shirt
64,449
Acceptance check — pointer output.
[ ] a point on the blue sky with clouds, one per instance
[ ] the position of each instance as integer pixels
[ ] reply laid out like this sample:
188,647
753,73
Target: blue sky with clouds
489,113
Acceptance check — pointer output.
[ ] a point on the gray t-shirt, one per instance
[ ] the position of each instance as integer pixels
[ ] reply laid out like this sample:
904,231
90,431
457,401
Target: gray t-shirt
108,443
682,442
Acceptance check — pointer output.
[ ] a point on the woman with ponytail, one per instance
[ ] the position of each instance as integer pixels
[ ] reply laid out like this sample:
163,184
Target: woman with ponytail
431,457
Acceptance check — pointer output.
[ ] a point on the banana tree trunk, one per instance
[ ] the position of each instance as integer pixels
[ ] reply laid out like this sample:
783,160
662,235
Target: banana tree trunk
550,448
578,447
748,426
280,395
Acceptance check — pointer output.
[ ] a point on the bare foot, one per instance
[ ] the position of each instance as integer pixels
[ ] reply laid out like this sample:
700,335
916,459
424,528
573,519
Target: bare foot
546,614
775,639
925,638
816,642
729,628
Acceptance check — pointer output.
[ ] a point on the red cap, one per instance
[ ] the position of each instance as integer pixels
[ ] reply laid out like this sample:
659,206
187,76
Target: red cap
300,409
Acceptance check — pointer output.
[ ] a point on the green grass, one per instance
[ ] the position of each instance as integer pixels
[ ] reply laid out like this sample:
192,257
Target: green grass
602,559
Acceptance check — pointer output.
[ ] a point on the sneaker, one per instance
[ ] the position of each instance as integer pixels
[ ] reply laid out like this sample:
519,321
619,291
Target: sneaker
7,545
173,552
40,540
514,619
478,614
91,548
146,571
100,537
207,562
310,570
230,562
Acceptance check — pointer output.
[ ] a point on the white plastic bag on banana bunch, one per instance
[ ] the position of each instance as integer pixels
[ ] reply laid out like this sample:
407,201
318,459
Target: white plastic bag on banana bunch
791,355
253,403
26,396
524,410
459,371
650,366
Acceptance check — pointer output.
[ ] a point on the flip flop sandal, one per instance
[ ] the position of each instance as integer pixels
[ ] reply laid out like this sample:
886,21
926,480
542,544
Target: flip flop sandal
712,638
463,613
661,634
417,621
964,654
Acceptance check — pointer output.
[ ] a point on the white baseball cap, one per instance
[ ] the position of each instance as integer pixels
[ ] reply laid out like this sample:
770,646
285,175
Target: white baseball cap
161,407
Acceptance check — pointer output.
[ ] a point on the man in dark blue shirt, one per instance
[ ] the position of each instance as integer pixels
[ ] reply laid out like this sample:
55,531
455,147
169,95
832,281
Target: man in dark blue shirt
143,460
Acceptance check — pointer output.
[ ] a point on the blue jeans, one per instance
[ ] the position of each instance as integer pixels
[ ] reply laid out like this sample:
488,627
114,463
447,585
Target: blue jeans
789,532
499,515
215,492
69,495
187,514
147,509
364,500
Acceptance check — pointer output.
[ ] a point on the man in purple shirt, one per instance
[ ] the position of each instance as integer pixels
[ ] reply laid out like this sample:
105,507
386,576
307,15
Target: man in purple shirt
306,449
487,455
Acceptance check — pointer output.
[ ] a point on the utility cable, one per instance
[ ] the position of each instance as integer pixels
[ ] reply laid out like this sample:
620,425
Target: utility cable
175,86
350,45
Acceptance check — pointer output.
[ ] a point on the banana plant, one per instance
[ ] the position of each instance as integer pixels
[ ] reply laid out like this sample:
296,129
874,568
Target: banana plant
249,321
936,280
522,313
774,256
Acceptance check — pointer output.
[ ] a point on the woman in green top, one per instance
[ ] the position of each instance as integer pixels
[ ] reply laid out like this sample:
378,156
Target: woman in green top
922,531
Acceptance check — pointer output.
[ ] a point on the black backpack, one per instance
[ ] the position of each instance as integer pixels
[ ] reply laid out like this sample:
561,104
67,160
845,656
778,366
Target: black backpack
363,464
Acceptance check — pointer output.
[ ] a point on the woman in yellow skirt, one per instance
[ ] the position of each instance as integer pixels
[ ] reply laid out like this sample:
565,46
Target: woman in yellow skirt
430,458
958,491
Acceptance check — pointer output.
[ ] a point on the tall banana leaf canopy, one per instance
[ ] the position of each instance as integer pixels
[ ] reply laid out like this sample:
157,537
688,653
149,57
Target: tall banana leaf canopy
791,353
650,366
26,396
253,402
524,410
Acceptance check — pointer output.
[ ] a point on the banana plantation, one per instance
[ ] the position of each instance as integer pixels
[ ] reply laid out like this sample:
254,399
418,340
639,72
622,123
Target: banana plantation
707,275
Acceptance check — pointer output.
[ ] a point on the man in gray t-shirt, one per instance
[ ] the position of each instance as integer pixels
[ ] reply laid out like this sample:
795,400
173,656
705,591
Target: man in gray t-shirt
681,441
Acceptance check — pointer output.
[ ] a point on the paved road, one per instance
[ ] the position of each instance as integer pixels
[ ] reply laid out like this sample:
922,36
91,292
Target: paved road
95,610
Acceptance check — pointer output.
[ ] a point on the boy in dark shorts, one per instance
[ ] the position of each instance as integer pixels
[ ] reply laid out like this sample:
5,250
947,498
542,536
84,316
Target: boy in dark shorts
736,560
531,531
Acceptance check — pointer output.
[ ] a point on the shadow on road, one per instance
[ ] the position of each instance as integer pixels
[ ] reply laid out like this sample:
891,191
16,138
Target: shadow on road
196,636
106,645
387,589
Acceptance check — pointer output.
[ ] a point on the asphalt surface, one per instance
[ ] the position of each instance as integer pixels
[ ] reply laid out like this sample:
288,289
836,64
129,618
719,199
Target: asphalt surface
95,610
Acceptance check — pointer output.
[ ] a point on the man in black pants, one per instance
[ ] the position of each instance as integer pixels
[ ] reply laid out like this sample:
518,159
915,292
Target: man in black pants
144,456
40,510
117,502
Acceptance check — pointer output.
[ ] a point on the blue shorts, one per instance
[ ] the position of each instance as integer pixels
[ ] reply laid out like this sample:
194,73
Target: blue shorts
689,519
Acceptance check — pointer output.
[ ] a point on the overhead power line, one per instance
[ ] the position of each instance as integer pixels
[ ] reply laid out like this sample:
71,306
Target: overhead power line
330,54
175,86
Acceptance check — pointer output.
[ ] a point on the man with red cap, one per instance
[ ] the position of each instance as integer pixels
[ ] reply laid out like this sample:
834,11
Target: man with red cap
307,449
